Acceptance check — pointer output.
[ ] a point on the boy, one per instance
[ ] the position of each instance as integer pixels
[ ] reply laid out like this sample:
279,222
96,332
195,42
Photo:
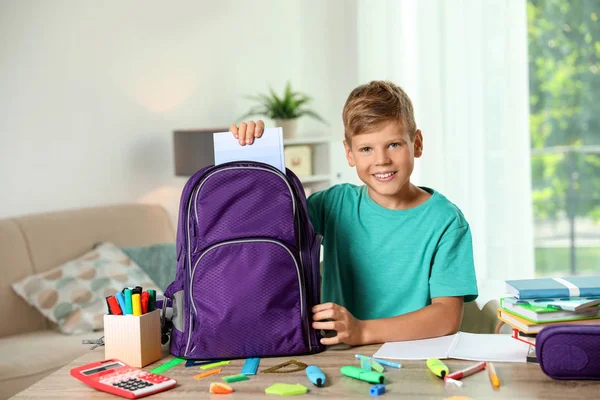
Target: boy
398,259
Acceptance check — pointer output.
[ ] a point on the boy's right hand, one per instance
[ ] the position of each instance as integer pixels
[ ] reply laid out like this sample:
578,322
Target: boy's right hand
247,131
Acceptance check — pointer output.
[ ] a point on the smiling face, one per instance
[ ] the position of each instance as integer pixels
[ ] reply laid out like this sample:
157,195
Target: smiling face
384,160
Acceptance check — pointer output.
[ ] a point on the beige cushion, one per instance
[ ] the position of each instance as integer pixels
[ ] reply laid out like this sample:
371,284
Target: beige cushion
15,264
73,295
31,356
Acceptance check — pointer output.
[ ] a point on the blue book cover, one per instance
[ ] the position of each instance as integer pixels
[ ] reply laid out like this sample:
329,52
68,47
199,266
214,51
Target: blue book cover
571,286
267,149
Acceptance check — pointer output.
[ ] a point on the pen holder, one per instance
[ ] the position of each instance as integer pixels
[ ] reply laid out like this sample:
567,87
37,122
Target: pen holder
133,340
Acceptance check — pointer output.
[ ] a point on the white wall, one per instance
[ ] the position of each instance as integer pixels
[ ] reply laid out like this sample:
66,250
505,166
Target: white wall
90,92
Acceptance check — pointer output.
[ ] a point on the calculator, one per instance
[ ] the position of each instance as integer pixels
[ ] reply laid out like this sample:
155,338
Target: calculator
116,377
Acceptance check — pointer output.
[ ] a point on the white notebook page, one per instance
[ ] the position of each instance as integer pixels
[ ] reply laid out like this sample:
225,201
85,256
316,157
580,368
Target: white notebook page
465,346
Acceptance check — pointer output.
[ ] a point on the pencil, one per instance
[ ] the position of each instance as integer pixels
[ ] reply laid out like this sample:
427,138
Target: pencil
493,375
207,373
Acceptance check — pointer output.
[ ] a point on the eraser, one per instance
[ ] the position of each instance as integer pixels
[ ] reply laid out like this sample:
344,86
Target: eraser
286,389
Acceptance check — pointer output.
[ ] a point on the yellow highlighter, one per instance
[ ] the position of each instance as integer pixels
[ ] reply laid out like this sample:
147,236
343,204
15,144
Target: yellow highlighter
136,304
438,368
493,375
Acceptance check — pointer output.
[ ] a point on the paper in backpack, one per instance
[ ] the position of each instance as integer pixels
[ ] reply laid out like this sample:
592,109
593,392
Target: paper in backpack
267,149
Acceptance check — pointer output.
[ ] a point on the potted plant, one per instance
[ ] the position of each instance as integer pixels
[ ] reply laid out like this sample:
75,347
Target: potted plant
285,110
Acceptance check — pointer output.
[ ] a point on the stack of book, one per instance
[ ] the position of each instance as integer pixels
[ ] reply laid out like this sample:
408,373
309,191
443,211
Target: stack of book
538,303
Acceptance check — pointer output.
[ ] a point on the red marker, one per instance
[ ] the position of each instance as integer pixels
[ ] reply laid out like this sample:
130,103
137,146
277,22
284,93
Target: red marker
145,298
466,372
113,306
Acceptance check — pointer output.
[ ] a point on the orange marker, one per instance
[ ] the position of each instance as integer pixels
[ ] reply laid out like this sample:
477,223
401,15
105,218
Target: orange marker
207,373
220,388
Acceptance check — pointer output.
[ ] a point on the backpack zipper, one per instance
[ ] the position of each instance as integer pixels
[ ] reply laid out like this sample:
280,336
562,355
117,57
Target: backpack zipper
191,297
196,191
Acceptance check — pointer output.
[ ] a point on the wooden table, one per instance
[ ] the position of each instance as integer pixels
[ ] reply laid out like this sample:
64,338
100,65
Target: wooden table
412,381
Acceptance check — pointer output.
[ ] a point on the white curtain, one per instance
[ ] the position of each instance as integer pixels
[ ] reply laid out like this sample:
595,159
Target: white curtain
464,64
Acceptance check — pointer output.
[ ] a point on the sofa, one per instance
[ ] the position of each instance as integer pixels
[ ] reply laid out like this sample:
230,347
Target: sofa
30,348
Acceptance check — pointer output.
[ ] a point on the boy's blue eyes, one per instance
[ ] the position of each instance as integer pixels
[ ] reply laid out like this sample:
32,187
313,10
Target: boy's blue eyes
367,149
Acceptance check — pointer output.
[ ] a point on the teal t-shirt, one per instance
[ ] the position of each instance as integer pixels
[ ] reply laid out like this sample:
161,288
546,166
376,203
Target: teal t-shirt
381,263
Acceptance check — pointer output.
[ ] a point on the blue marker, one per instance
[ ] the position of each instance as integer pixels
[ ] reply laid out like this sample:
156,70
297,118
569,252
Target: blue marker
315,375
382,362
121,299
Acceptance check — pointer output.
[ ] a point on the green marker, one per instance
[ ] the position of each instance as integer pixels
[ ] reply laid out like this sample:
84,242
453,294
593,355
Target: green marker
438,368
152,300
169,364
128,305
235,378
359,373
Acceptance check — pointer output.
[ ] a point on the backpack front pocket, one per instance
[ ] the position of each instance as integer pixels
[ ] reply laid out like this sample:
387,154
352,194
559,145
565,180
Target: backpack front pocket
247,299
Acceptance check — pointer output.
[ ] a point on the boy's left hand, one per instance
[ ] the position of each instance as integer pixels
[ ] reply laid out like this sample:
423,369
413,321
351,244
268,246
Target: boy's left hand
349,329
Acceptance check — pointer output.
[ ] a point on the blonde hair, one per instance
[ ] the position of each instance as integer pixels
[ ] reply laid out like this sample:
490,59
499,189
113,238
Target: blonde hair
375,103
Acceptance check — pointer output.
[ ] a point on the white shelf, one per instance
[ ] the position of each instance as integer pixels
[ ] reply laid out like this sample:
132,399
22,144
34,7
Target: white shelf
306,140
314,178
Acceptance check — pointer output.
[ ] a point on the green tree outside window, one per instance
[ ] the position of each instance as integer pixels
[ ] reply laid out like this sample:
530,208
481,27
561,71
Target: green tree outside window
564,84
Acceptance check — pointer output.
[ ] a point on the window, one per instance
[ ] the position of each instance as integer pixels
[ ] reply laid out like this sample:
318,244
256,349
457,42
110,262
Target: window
564,84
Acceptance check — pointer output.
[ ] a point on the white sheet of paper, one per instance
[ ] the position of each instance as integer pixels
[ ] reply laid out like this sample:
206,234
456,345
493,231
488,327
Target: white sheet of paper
465,346
417,349
267,149
489,347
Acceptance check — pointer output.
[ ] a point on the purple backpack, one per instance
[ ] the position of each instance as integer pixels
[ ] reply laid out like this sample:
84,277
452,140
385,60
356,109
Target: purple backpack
247,265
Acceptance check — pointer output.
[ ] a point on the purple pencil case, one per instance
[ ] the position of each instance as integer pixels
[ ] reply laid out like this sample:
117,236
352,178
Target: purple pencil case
569,351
